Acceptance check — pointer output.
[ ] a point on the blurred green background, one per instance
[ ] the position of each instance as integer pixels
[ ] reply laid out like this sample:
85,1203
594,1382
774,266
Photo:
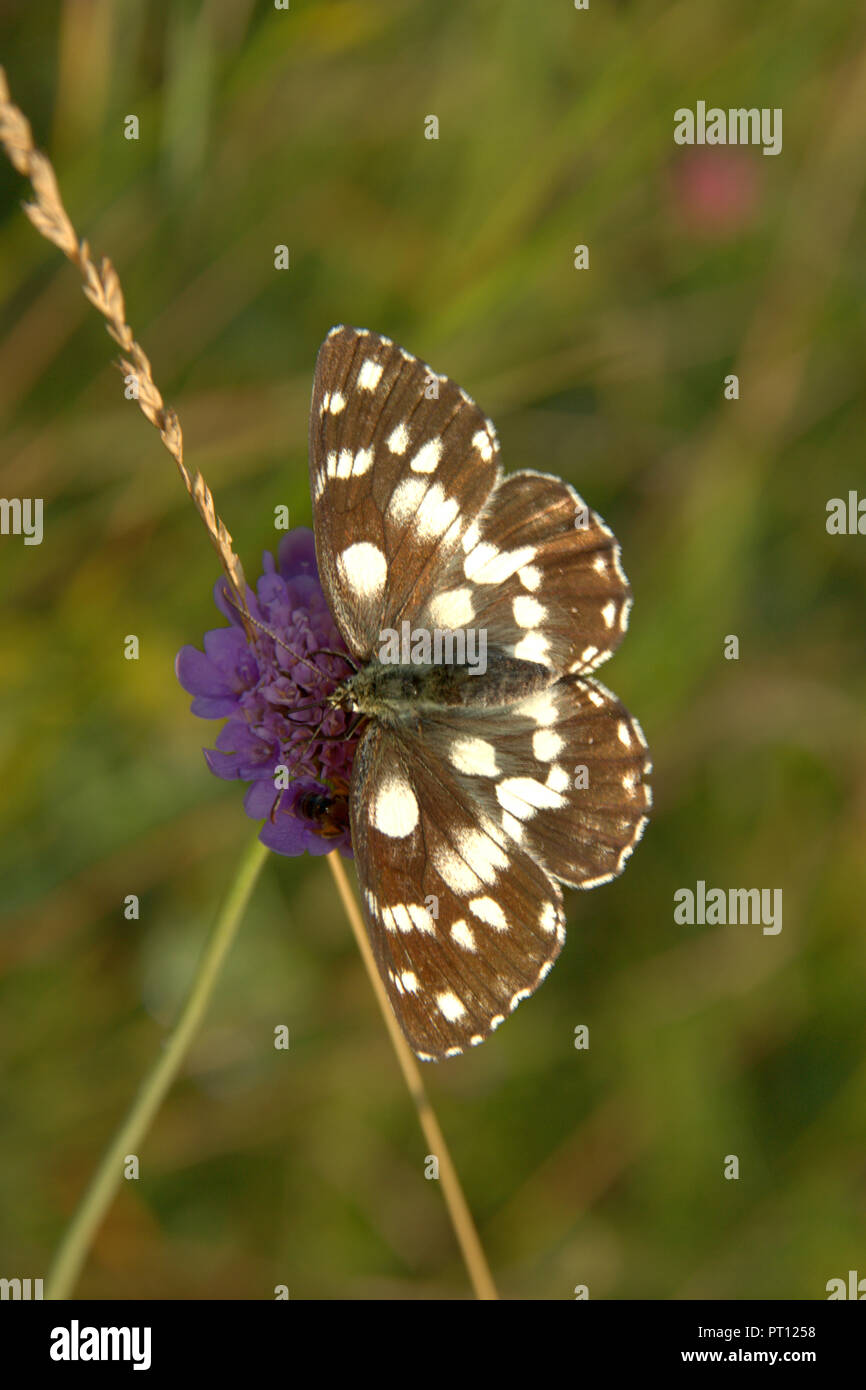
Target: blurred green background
601,1167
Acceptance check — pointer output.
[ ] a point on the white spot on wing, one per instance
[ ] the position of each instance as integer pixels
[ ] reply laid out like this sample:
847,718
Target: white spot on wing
541,708
400,913
523,796
479,849
454,870
481,442
398,440
450,1006
547,919
511,825
395,808
405,500
427,457
462,934
488,910
547,744
557,779
529,576
364,569
474,756
435,513
487,565
422,918
528,612
452,609
368,376
533,647
478,558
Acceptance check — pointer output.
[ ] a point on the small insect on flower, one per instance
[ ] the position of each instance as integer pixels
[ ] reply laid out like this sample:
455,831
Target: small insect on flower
329,811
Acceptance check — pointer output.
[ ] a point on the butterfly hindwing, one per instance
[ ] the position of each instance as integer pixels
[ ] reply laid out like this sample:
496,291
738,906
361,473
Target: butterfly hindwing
563,772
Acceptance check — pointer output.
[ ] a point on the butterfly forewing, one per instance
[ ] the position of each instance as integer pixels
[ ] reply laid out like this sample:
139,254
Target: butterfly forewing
543,578
401,461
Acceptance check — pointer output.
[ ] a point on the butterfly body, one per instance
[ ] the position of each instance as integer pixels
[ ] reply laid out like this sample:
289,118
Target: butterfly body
479,786
394,693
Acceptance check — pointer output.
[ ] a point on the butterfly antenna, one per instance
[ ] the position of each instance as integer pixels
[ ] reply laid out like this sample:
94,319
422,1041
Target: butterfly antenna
318,737
278,638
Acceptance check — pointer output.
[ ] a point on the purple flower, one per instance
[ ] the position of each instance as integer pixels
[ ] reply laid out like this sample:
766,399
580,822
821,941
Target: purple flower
272,698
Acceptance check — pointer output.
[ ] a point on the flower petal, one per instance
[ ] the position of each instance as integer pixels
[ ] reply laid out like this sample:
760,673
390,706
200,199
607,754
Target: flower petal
297,554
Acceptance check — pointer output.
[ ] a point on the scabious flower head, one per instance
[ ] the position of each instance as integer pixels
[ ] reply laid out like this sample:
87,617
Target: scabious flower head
272,699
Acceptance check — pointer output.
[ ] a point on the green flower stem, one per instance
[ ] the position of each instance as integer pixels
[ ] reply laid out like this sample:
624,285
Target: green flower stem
76,1243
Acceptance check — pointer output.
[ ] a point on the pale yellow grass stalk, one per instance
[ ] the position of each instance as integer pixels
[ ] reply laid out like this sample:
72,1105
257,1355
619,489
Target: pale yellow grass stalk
103,289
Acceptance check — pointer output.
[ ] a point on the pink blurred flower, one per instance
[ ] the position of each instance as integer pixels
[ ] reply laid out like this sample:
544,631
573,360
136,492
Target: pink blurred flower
715,190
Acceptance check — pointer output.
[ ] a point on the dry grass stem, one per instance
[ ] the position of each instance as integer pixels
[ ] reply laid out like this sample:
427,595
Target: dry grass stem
458,1208
103,289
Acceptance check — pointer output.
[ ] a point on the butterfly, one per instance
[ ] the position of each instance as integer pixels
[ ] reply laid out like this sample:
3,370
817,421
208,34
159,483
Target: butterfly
479,787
